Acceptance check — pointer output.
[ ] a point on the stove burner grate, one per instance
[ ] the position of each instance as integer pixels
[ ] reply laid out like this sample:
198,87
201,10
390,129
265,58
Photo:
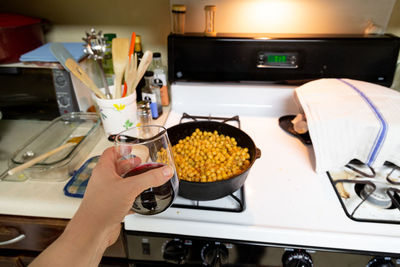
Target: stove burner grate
238,197
202,205
369,195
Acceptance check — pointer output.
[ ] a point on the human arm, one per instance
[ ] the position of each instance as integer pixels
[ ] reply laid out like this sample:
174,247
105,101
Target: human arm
97,222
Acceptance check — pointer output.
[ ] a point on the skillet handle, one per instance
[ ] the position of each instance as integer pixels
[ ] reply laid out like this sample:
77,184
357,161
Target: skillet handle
258,153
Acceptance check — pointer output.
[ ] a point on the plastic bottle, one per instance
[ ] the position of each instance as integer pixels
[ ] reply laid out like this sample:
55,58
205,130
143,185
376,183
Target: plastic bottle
160,77
107,61
151,93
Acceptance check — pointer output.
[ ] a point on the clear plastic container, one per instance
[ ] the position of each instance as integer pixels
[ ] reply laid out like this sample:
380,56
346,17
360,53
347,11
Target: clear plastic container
60,166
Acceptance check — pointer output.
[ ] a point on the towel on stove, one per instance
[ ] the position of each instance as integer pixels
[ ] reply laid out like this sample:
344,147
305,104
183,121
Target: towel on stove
349,119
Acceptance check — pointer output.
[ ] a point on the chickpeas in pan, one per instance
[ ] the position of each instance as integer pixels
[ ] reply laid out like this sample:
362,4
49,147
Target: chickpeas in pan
209,157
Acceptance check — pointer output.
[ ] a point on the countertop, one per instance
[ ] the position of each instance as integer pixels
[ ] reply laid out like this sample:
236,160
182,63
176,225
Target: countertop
38,198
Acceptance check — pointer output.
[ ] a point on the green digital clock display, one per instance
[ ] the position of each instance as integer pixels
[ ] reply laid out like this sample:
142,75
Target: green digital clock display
276,58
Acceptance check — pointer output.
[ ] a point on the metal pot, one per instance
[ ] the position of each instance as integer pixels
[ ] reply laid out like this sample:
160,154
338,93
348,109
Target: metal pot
218,189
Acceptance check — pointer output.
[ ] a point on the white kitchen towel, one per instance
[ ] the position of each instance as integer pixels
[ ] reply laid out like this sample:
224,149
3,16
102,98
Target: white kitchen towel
350,119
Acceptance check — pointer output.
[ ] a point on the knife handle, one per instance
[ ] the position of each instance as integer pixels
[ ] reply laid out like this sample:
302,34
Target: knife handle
83,77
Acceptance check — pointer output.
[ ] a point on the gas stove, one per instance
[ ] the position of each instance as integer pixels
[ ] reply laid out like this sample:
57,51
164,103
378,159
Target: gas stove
288,206
291,214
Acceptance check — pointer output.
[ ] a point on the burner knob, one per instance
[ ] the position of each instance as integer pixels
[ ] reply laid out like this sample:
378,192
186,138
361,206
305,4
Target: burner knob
214,255
380,262
175,251
297,258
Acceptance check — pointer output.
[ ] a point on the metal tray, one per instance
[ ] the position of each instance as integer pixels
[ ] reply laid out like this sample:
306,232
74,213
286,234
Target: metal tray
60,166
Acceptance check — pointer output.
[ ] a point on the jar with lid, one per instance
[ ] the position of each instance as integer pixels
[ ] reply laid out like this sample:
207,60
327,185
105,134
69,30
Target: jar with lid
210,20
160,77
151,93
144,113
178,19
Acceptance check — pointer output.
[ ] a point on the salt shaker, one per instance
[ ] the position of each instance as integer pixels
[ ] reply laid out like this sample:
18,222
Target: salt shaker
210,20
178,19
144,113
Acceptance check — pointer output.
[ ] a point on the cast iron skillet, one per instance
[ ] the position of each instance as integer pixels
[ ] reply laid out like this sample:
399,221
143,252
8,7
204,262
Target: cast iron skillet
218,189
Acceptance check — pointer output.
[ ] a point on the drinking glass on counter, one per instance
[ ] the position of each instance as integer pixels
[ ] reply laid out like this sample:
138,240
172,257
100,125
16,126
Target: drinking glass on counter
139,150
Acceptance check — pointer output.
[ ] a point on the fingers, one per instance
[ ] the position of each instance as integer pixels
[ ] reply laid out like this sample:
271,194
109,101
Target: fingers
125,165
152,178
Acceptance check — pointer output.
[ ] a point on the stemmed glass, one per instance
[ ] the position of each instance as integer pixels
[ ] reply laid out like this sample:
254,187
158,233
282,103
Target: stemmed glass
145,148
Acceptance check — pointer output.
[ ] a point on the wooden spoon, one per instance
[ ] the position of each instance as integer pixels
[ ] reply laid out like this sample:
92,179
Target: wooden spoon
120,49
71,142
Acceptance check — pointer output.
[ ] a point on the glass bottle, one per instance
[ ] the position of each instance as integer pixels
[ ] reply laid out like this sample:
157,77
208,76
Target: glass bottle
138,47
139,52
107,61
151,93
160,77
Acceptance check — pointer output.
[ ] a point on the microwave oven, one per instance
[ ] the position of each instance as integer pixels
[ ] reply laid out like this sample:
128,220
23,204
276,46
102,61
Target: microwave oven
40,92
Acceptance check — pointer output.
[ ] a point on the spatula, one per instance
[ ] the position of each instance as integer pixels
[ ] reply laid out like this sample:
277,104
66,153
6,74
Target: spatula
71,142
130,74
144,64
131,52
120,49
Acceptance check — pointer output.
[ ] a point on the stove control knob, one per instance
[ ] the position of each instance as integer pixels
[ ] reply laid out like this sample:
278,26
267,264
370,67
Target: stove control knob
297,258
175,251
380,262
214,254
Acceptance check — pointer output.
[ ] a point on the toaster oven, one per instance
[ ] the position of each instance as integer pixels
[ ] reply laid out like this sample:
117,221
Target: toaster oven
40,92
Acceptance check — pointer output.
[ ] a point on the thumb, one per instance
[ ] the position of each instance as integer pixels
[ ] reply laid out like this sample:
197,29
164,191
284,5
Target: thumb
151,178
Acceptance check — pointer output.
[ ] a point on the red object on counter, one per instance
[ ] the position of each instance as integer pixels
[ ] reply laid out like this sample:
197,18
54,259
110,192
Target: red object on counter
19,34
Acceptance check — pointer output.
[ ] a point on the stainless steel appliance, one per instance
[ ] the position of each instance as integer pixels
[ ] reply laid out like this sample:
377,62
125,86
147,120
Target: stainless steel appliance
285,214
39,92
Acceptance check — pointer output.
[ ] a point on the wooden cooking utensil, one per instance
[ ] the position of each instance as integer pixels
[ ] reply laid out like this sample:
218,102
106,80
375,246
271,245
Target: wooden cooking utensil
131,52
120,49
67,61
71,142
144,64
74,67
130,75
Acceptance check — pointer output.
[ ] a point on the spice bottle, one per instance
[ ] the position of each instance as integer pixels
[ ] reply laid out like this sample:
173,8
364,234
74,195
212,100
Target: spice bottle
107,61
144,113
178,19
151,93
160,77
210,20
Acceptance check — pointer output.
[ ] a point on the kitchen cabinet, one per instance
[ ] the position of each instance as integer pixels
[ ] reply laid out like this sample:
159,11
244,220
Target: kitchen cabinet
33,234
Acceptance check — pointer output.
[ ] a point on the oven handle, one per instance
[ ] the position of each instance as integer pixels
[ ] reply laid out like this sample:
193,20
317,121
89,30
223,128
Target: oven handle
13,240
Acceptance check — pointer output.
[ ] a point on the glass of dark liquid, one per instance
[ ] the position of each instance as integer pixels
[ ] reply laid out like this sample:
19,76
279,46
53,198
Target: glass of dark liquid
141,149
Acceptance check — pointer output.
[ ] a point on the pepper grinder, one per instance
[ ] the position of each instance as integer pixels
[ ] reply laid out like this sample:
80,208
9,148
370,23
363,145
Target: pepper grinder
210,20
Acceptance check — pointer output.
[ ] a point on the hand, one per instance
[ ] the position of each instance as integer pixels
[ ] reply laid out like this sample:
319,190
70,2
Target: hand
109,197
97,222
